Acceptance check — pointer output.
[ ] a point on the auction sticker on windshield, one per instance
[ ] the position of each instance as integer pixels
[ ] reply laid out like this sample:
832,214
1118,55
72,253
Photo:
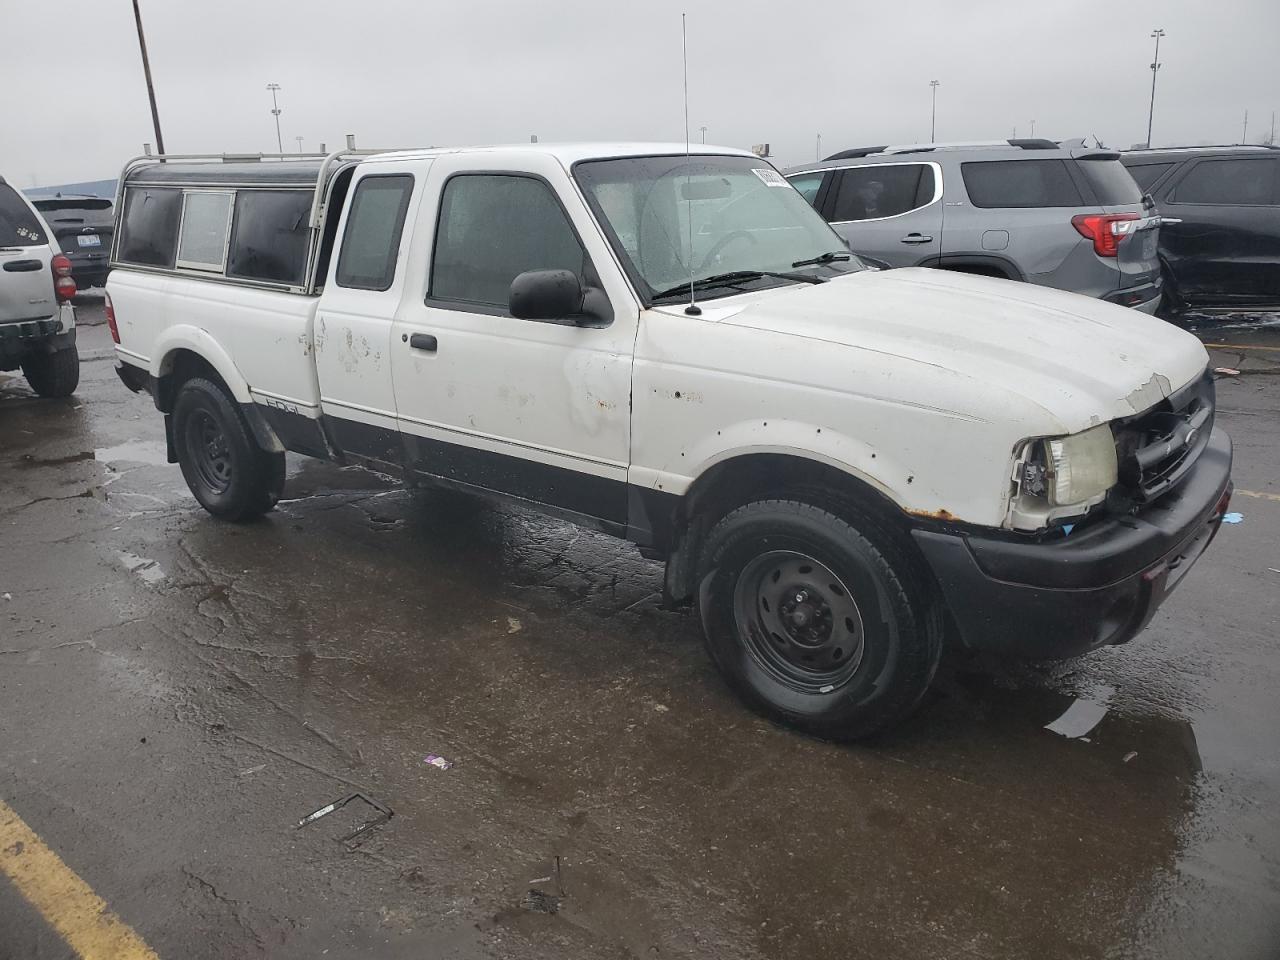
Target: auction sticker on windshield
770,178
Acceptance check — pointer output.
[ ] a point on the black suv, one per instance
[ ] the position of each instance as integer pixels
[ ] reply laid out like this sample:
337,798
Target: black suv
1220,233
83,226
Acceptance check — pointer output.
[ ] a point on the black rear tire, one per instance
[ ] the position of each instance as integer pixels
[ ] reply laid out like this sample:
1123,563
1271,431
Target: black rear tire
823,623
226,470
54,374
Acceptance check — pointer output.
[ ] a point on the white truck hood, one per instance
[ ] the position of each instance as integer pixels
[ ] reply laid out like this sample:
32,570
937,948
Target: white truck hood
1081,360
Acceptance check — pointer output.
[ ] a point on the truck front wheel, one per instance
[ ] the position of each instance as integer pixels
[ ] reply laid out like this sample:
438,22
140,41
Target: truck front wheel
231,476
821,623
54,374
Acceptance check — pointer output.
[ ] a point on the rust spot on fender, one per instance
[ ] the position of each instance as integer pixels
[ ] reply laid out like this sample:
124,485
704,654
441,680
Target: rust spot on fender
942,513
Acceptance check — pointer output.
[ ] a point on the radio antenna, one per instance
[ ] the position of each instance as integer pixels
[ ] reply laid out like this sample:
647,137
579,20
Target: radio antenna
692,309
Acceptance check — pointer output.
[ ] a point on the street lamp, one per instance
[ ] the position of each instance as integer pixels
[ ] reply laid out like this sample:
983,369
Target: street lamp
704,134
146,70
1155,66
275,112
299,139
933,118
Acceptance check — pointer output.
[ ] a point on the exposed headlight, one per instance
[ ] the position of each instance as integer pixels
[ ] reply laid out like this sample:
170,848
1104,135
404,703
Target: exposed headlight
1063,476
1081,467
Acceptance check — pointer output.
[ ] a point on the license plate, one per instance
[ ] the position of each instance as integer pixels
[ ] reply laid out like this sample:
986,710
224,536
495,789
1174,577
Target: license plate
89,240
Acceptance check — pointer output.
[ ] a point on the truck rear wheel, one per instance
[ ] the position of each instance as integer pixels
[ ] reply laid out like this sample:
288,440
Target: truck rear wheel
815,622
231,476
54,374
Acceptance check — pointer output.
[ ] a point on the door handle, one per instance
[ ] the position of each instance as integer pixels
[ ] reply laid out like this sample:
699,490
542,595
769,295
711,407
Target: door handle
916,238
22,266
1164,220
423,341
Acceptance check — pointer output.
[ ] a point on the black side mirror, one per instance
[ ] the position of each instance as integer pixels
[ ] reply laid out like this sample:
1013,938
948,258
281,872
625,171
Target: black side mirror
545,295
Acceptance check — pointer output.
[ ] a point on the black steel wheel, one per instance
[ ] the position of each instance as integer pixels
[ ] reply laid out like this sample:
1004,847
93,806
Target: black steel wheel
825,622
225,468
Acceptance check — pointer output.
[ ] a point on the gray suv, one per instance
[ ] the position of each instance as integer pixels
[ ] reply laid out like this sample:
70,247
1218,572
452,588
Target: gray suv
1063,216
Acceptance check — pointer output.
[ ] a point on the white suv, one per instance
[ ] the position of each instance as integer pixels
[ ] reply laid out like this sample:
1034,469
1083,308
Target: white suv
37,320
838,465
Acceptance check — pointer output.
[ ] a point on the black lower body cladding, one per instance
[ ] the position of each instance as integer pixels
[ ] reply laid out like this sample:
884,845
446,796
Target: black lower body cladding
1100,586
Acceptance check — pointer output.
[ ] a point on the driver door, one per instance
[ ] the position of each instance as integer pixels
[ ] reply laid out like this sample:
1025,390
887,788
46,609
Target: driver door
534,409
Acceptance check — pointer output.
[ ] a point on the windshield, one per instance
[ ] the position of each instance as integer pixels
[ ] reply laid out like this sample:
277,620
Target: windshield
673,218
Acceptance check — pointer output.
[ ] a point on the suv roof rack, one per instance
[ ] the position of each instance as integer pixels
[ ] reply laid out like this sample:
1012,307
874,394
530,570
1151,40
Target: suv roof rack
1020,144
1207,146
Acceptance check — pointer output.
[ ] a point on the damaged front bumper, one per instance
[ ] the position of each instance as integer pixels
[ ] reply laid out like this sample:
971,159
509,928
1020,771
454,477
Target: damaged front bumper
1099,586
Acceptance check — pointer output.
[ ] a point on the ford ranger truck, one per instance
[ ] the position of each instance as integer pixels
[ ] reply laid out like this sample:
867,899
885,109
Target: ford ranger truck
840,467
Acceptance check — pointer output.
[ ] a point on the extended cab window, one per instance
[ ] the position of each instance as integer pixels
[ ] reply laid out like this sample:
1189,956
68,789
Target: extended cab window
371,238
1020,183
871,193
18,227
493,228
1244,182
206,221
149,227
269,236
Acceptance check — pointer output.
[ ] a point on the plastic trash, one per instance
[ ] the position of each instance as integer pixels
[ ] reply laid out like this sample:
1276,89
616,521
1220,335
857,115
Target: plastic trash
435,761
1233,517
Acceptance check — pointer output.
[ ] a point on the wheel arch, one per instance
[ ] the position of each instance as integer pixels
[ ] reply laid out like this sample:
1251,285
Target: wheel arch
984,264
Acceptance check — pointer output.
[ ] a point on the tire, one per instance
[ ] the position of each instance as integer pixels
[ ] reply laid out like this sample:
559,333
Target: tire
226,470
54,374
822,623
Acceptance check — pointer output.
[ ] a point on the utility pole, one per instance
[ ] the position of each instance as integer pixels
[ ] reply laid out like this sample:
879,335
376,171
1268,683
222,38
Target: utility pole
1244,134
299,139
1155,68
146,70
1033,129
1272,139
704,134
275,112
933,116
818,152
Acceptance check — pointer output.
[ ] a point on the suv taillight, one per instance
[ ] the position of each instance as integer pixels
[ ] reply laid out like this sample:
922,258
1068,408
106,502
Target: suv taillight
111,319
63,285
1106,230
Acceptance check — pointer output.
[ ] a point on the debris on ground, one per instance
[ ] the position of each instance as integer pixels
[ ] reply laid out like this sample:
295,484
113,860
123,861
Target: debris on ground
514,625
384,814
1129,756
252,770
435,761
535,901
1233,517
149,570
1081,717
1227,371
8,596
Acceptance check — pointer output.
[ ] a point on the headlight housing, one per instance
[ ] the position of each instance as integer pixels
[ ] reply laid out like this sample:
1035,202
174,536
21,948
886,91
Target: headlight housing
1063,476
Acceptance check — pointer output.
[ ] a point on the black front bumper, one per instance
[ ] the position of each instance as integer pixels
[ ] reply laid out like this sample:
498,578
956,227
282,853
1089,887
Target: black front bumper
1099,586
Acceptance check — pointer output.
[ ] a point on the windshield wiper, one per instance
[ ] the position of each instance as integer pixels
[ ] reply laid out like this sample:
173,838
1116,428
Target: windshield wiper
822,258
734,277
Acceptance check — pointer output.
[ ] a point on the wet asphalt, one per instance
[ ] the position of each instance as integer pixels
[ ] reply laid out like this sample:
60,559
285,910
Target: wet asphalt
176,693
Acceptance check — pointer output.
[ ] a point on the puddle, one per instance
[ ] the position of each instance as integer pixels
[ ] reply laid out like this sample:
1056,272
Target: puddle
134,451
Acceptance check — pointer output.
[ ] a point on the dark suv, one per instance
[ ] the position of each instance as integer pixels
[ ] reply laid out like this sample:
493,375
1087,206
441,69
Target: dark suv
83,226
1220,233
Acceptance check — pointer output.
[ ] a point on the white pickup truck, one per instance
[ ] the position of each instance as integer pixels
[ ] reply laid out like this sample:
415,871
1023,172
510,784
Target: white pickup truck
841,466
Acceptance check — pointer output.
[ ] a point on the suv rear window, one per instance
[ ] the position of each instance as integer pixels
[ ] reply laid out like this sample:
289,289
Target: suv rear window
1020,183
18,228
1113,184
1244,181
1146,174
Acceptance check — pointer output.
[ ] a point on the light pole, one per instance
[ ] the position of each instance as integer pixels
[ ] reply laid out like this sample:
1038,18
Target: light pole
1155,67
275,112
146,70
818,152
299,139
1033,129
704,134
933,117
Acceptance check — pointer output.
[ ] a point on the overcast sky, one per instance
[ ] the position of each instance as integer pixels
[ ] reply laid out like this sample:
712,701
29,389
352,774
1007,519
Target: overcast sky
418,73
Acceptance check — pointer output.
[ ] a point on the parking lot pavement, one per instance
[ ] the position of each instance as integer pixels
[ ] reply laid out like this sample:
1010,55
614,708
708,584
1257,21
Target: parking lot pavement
177,693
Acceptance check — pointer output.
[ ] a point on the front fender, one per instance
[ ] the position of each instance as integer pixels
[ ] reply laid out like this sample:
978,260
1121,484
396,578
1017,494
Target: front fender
183,336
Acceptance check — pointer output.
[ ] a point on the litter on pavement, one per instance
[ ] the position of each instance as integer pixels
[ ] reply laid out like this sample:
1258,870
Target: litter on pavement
1233,517
1080,718
384,814
435,761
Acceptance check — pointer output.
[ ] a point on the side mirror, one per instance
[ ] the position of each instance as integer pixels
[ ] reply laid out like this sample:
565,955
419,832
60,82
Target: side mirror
545,295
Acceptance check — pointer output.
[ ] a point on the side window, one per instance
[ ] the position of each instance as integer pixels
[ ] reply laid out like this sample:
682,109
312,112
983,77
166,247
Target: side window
371,238
493,228
1245,181
149,226
269,236
1020,183
872,193
206,221
18,227
1146,174
808,185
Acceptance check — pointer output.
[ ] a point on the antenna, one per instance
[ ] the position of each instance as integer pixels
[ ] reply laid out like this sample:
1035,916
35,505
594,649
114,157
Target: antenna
692,309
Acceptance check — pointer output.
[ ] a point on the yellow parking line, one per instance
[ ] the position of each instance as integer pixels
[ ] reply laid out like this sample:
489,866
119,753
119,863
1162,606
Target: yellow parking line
63,899
1258,494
